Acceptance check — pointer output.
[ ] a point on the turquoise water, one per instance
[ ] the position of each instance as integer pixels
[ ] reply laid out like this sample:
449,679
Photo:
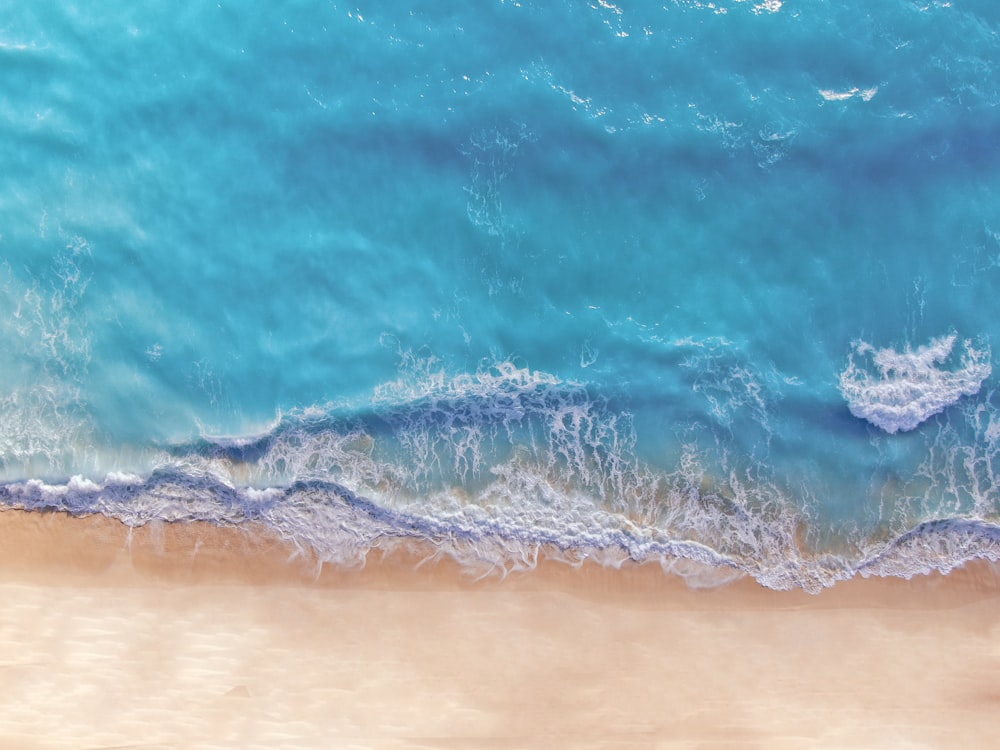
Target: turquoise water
710,284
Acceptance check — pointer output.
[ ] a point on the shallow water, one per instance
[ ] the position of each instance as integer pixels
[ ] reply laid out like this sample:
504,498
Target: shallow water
700,281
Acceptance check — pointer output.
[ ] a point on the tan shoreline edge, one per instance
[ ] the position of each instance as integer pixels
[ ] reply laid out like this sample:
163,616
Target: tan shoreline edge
191,635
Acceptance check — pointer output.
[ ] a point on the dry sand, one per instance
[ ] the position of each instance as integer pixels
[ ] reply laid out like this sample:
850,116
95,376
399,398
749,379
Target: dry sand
191,636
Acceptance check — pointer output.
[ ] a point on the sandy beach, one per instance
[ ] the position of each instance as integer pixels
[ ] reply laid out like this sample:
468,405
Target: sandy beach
193,636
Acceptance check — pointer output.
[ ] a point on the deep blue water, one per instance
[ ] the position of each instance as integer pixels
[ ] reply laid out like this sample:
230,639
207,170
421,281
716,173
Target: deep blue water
684,281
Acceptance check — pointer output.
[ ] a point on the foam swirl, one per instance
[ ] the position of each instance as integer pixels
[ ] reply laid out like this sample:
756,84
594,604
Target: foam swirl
911,386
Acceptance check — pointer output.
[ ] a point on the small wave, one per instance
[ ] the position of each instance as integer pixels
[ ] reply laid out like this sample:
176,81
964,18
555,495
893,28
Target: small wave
940,545
832,95
767,6
910,386
340,527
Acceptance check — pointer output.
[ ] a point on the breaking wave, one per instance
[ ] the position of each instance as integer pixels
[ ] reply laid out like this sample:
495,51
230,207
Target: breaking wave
341,527
497,469
911,386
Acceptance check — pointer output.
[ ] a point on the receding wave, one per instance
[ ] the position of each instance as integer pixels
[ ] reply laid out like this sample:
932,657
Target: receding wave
342,527
495,470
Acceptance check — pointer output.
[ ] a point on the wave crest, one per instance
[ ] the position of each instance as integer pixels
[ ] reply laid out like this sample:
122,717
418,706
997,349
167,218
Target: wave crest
910,386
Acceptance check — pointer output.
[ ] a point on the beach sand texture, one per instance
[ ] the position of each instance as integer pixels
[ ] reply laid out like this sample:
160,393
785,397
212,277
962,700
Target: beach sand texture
194,636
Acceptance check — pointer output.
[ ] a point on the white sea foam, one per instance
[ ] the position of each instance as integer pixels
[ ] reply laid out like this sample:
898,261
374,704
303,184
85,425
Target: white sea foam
832,95
42,413
495,469
936,546
489,467
340,527
349,495
911,386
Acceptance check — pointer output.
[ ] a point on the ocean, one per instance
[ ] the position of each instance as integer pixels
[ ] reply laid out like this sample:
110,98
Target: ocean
712,284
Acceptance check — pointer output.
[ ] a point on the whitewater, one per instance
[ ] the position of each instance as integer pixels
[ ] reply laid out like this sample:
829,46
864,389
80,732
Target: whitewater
704,284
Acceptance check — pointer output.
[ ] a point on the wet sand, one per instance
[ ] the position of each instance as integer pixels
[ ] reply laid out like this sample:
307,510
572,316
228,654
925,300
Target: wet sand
193,636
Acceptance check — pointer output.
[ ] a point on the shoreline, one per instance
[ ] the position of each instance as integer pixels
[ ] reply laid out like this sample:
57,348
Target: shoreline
58,548
228,637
